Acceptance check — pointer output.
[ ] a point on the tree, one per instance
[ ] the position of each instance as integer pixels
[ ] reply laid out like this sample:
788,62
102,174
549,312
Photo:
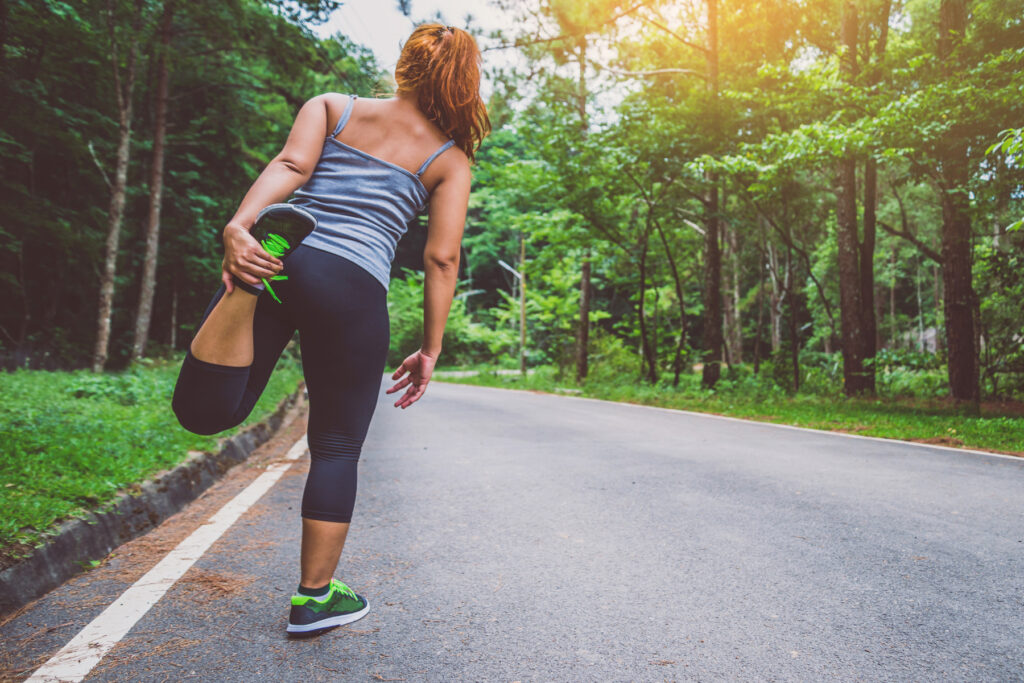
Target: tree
156,187
124,90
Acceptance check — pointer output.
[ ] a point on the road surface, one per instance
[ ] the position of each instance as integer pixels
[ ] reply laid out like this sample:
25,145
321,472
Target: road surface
515,536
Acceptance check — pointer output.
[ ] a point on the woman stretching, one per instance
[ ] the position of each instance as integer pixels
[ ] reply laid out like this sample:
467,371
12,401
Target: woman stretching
356,172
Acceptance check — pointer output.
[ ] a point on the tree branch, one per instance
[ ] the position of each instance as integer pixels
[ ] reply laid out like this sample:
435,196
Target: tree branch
675,35
96,160
577,34
925,249
645,74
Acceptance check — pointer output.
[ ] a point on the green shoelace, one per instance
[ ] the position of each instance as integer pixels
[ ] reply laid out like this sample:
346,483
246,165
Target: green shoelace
276,246
344,589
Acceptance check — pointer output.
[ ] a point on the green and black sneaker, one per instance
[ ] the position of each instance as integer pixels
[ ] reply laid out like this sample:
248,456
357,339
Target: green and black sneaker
341,605
279,228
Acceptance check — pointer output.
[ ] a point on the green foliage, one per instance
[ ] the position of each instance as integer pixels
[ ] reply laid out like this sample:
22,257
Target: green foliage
752,397
1011,144
465,341
70,441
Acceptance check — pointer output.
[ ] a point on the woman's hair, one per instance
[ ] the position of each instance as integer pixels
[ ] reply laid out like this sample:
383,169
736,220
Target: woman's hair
441,64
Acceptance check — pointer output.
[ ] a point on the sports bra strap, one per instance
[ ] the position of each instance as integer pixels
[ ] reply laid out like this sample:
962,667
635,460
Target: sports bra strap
434,156
344,117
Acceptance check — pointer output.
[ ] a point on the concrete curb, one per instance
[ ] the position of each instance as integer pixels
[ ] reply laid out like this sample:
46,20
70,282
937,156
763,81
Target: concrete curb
79,541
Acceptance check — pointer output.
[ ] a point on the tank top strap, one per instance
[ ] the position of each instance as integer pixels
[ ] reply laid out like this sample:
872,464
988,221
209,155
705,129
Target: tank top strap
434,156
345,115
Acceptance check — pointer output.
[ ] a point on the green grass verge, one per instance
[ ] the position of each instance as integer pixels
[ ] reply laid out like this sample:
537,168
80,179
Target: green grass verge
998,427
70,441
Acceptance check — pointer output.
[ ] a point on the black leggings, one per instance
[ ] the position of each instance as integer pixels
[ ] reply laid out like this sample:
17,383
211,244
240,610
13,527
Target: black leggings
340,311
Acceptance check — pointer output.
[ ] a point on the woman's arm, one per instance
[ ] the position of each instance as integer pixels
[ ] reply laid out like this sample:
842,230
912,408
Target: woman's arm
288,171
448,203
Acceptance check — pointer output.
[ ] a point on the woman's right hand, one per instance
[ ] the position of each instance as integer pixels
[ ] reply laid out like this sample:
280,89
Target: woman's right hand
419,366
245,258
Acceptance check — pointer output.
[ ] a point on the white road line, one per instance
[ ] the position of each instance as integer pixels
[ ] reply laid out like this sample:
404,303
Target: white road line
76,659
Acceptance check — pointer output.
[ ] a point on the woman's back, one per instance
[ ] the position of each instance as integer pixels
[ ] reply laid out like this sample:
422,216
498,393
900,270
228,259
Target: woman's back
370,180
393,129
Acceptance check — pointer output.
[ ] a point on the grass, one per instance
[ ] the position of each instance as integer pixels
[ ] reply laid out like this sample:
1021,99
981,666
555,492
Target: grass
71,441
999,427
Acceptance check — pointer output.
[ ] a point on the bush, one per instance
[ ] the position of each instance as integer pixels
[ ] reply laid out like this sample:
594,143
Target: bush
610,360
465,340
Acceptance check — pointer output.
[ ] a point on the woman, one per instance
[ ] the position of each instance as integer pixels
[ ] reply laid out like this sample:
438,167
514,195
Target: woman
359,170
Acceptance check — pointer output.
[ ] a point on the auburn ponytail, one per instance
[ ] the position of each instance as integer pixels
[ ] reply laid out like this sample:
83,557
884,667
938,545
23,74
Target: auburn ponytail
441,64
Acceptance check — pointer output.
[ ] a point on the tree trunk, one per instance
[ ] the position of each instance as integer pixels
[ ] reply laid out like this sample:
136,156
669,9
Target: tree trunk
156,189
760,322
712,292
794,333
174,312
522,303
855,380
645,342
677,361
115,210
775,302
731,303
958,302
867,272
583,333
892,300
940,346
713,257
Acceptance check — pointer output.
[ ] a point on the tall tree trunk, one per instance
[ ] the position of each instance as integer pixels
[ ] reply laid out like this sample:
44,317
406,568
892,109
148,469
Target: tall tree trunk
776,300
174,311
794,332
892,300
869,315
156,190
855,379
760,322
867,272
713,255
115,210
645,341
522,303
731,300
712,291
583,333
956,228
677,361
940,345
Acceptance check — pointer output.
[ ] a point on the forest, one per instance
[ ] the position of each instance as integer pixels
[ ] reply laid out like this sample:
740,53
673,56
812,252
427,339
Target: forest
823,196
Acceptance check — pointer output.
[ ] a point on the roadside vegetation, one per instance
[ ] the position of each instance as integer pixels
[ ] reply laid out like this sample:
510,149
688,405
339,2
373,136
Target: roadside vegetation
905,408
73,440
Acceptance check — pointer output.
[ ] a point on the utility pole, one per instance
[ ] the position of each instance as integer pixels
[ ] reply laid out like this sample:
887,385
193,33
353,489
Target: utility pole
522,304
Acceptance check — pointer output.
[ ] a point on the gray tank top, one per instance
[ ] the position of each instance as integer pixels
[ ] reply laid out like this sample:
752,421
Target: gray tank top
362,203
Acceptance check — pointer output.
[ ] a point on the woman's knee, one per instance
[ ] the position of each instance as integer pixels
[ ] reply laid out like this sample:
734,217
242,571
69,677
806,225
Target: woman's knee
208,400
200,419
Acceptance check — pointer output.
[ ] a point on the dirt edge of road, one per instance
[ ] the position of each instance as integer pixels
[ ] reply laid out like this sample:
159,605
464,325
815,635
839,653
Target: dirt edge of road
77,543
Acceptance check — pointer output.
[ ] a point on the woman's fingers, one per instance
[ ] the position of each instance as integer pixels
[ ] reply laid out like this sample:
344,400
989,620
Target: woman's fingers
268,263
411,396
400,385
229,285
402,369
252,270
243,275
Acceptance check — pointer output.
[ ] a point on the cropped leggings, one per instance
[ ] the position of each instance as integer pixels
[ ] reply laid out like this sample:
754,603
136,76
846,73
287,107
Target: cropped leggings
340,312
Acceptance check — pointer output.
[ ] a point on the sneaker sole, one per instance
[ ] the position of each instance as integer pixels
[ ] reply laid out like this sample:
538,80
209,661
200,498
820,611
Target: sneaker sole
330,622
289,208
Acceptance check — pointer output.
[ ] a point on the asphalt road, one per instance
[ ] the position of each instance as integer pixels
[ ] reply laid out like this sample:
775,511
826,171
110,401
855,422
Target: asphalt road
513,536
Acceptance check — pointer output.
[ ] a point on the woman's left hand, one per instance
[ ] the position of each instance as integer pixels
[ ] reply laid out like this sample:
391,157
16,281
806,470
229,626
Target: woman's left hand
419,366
